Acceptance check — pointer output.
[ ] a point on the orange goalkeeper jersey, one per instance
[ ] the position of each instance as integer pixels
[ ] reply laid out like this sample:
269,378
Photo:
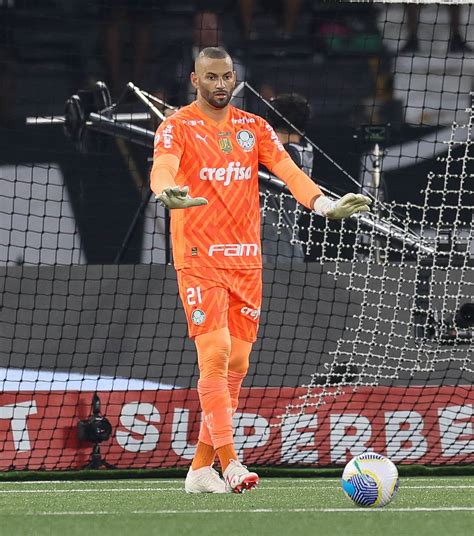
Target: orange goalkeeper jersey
218,161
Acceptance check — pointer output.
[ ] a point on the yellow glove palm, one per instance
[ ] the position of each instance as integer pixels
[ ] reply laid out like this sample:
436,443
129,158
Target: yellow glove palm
349,205
178,197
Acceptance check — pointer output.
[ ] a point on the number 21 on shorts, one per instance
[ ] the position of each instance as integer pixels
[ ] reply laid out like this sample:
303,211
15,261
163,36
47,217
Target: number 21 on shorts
193,295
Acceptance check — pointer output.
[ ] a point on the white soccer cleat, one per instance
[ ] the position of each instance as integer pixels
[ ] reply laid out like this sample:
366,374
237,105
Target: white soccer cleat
238,478
204,480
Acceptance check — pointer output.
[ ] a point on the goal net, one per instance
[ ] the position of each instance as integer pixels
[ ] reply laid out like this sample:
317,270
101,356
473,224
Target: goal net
366,337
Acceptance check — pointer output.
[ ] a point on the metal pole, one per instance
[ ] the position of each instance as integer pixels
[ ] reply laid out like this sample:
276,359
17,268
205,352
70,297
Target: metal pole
377,157
127,131
138,92
133,225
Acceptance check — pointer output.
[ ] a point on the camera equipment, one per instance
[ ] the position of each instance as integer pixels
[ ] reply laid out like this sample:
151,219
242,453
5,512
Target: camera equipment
448,329
465,316
457,328
372,139
454,326
372,134
95,429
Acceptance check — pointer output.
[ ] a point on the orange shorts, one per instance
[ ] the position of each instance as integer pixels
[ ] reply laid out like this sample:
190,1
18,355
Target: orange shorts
217,298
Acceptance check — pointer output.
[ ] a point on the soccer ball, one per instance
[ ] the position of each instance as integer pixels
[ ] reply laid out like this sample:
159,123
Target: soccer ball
370,480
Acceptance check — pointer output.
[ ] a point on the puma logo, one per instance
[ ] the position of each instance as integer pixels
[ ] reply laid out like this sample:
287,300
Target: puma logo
199,137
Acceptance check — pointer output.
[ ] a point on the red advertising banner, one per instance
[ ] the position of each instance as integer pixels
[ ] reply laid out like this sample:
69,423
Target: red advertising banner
434,425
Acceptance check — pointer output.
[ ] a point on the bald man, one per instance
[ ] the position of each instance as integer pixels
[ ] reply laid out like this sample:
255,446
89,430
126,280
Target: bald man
205,170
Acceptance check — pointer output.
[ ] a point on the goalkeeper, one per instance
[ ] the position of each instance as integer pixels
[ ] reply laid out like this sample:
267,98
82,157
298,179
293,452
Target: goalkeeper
205,170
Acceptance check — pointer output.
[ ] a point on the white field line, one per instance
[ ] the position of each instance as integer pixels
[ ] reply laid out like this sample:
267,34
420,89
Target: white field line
180,489
253,511
105,481
88,490
181,480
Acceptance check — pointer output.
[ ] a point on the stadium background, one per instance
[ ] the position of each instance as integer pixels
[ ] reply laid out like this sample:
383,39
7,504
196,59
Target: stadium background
72,314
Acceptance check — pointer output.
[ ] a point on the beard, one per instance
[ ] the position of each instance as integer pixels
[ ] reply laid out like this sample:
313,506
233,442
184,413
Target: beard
217,101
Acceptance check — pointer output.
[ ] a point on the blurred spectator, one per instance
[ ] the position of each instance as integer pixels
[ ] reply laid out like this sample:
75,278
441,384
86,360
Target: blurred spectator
295,108
127,40
7,63
289,9
177,60
206,33
281,222
379,106
456,42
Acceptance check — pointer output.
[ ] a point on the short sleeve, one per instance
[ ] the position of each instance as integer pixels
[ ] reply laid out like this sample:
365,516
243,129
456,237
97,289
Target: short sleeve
270,149
169,138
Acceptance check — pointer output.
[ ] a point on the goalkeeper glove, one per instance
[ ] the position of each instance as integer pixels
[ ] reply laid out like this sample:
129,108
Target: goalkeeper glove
345,207
177,197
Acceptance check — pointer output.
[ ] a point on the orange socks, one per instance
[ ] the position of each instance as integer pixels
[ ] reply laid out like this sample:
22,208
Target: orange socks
204,457
217,410
226,453
234,382
219,388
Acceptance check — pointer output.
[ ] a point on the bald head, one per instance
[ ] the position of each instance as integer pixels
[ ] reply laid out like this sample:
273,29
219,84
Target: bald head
213,53
214,76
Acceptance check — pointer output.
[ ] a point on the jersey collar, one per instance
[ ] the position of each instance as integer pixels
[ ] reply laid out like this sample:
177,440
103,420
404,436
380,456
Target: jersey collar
208,119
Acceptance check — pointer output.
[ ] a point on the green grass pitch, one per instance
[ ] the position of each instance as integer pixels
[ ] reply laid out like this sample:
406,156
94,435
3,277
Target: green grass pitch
290,506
